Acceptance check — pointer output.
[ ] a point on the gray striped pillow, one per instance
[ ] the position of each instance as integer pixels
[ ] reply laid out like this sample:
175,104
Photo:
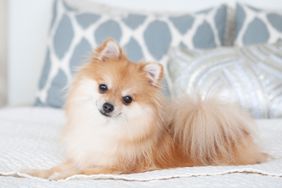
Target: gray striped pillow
251,76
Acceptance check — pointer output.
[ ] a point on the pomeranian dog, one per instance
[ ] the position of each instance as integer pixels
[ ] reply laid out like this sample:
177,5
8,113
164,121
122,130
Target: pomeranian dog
119,122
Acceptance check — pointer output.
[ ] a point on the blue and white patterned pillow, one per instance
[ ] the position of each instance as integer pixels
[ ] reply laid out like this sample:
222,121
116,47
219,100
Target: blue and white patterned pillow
75,32
255,26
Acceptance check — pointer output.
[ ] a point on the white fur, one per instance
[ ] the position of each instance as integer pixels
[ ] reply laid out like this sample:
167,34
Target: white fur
111,50
93,139
154,71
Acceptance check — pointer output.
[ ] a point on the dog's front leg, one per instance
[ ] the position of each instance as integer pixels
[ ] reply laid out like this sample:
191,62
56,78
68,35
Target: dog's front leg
97,170
61,171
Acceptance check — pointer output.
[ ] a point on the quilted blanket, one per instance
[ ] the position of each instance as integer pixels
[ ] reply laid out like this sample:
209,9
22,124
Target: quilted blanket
29,139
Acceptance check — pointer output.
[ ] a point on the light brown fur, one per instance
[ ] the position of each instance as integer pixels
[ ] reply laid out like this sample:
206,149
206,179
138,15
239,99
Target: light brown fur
184,132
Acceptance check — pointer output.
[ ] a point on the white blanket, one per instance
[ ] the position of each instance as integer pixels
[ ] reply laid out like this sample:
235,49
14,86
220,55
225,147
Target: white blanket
29,139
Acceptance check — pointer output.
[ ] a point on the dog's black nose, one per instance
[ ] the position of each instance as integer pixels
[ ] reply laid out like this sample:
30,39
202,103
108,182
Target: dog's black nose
108,107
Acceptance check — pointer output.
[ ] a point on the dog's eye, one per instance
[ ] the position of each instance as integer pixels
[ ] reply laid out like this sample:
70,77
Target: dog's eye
103,88
127,100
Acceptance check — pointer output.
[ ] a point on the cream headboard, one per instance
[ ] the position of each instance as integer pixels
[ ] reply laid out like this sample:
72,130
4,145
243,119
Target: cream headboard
29,23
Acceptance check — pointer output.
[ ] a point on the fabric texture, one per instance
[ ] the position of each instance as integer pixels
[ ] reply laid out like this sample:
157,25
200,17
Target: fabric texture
251,76
29,139
76,31
237,180
255,26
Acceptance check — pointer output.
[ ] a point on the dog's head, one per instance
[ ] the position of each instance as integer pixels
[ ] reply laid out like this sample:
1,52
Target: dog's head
118,87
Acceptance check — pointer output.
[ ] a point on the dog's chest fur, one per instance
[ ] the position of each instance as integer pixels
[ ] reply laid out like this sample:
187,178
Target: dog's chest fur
93,140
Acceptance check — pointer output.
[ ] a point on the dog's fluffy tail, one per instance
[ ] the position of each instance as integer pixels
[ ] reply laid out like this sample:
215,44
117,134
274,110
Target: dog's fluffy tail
211,132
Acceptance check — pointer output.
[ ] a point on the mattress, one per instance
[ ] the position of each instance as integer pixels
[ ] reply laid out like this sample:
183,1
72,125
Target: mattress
29,139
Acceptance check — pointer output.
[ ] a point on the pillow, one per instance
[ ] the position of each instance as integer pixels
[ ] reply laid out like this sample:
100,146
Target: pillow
255,26
75,32
251,76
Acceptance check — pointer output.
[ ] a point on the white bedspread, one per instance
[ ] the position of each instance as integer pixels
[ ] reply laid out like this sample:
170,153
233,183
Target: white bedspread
29,139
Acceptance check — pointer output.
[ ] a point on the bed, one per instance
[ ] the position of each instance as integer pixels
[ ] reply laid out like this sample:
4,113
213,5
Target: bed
30,135
29,138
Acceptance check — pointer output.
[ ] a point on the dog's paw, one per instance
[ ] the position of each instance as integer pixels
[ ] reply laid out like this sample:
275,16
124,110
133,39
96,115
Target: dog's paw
40,173
59,176
263,157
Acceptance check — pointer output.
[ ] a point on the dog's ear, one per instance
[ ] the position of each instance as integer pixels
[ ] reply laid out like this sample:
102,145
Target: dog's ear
154,71
109,49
